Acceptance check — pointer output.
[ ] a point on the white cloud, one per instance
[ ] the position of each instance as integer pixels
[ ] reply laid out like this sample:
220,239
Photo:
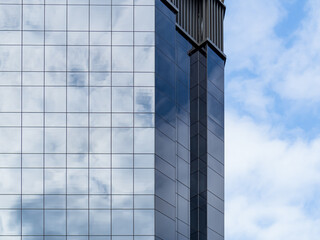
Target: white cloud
271,183
271,68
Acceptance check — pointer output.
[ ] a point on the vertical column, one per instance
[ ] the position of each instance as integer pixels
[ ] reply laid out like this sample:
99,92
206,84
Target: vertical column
198,112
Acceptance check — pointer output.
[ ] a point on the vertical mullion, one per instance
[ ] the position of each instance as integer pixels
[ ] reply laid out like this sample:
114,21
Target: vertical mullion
21,109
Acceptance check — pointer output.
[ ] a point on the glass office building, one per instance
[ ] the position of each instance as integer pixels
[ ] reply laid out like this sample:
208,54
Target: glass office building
111,120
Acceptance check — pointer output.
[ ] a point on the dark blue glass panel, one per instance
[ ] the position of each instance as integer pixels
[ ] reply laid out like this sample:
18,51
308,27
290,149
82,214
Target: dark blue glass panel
166,128
165,27
215,183
215,165
165,47
164,67
215,110
165,188
183,172
215,74
215,220
182,58
183,42
215,147
165,87
214,91
183,133
213,56
182,76
165,227
165,168
165,108
164,9
165,208
165,148
215,128
183,95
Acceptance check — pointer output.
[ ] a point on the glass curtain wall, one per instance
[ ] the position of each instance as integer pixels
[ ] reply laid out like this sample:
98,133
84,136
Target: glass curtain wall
77,119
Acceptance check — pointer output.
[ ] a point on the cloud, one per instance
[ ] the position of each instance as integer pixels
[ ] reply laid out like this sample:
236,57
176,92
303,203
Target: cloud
274,69
272,185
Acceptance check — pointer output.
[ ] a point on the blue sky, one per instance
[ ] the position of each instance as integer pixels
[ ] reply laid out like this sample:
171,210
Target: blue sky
272,119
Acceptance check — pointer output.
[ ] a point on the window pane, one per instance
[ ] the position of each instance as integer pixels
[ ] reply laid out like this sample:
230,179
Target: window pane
10,99
144,120
122,99
122,38
10,58
144,38
55,181
144,59
77,119
32,201
77,182
32,222
77,222
102,201
122,120
10,139
77,99
78,38
122,201
144,140
55,58
55,99
11,222
78,17
55,140
122,79
144,99
100,181
122,181
144,18
100,58
100,18
55,222
122,140
100,38
32,99
10,201
55,160
78,78
55,201
77,160
33,58
100,99
100,120
33,17
122,18
122,59
144,181
10,17
122,222
32,140
77,58
77,140
100,160
55,38
10,179
100,140
55,17
32,181
100,222
144,222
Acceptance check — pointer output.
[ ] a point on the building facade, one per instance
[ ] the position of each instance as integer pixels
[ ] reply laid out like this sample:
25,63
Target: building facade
111,120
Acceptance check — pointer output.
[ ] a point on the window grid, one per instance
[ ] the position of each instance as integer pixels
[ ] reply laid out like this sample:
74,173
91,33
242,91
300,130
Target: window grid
42,129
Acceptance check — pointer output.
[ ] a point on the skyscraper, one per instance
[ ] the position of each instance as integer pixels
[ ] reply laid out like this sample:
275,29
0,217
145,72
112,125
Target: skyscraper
111,119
